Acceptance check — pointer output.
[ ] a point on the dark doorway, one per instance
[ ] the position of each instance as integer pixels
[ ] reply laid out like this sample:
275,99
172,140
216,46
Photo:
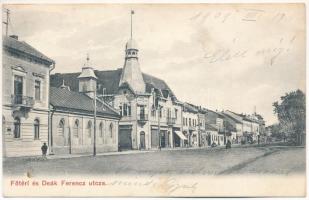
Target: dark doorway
125,139
163,139
176,140
154,138
142,140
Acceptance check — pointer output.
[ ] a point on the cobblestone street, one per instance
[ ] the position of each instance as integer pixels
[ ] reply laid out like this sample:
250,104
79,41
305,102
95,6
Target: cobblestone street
278,160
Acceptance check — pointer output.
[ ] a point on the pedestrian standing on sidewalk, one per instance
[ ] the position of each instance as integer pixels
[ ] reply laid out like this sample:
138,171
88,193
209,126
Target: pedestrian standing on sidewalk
44,150
228,144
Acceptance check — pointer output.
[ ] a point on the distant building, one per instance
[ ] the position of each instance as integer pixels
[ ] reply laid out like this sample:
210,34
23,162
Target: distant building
212,136
261,123
190,125
25,98
250,126
217,119
235,127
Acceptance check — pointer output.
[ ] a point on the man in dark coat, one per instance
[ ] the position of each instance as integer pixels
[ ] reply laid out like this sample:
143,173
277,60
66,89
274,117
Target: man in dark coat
228,144
44,150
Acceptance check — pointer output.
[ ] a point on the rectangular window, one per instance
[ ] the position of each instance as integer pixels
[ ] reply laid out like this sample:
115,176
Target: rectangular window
120,112
129,110
37,90
142,112
153,112
169,113
18,89
125,110
176,113
36,130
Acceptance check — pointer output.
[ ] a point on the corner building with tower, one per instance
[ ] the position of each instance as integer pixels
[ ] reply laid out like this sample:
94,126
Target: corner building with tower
151,115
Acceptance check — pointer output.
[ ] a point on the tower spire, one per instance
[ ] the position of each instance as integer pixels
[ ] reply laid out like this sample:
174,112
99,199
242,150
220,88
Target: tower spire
87,63
131,74
132,13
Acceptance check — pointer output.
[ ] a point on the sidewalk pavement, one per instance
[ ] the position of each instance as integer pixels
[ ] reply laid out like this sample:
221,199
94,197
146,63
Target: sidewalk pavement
64,156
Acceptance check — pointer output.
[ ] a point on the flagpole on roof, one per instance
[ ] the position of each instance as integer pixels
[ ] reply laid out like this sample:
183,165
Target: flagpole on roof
132,12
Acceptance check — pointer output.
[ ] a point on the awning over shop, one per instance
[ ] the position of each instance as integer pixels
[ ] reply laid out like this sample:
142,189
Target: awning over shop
181,135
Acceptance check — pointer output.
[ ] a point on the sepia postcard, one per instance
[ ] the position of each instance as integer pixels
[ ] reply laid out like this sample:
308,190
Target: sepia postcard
153,100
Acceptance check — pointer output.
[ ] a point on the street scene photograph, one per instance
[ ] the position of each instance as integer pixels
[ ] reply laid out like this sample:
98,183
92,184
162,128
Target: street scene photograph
154,100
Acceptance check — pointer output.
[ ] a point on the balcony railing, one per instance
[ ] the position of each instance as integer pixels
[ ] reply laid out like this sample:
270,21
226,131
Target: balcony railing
23,101
171,121
142,117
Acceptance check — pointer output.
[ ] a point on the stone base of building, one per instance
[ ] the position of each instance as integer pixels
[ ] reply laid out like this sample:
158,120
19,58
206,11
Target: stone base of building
83,149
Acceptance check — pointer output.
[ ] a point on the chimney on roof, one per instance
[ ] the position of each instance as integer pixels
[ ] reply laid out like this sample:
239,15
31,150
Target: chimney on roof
14,37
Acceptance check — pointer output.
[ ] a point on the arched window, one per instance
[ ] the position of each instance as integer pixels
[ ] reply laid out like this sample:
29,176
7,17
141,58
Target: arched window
89,127
36,129
61,127
101,129
111,130
75,128
16,127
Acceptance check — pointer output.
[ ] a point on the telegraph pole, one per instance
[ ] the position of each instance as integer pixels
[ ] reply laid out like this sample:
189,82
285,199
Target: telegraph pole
159,108
95,124
7,11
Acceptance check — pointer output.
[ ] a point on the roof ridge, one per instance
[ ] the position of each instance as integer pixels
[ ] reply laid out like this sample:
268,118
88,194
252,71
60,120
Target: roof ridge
32,51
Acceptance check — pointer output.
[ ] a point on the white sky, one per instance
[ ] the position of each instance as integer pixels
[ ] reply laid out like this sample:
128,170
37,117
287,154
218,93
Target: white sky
230,57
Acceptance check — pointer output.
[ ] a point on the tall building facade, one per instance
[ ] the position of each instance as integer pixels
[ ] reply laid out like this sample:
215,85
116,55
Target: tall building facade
25,98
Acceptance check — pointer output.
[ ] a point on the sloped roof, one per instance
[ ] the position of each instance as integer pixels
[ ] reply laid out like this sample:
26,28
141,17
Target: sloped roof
12,43
190,108
232,118
87,72
210,127
110,80
244,117
220,115
70,100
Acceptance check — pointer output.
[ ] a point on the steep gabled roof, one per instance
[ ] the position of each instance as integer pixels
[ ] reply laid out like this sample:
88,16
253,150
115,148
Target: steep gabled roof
21,46
74,101
110,80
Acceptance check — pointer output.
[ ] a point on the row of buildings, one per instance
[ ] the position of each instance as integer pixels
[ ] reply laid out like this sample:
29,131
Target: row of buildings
134,110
